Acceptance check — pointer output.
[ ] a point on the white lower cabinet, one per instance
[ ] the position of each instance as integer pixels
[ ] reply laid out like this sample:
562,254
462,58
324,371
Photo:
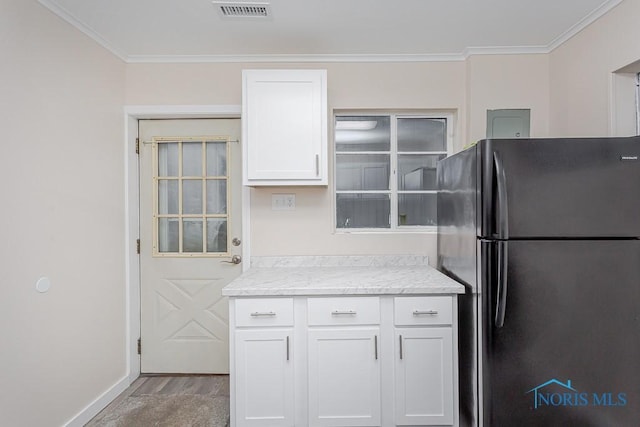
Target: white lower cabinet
375,361
424,376
344,377
264,378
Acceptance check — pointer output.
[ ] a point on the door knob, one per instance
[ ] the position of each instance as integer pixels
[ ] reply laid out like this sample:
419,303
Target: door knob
236,259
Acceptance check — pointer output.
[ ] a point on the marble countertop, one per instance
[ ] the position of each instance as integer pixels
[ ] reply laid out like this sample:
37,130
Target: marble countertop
341,275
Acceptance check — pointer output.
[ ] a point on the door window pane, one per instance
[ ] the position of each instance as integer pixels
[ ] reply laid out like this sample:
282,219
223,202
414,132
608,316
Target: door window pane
168,233
422,134
192,238
216,196
216,235
168,197
191,196
217,158
362,172
363,133
418,172
363,210
192,159
168,159
417,209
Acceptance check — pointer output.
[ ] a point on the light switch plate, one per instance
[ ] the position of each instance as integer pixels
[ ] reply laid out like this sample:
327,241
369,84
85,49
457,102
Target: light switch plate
283,202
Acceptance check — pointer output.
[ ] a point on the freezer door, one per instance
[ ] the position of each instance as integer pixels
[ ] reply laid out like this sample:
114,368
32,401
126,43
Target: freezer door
564,349
548,188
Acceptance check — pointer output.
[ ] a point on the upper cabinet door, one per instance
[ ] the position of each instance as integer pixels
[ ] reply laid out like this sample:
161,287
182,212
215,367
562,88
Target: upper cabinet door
284,124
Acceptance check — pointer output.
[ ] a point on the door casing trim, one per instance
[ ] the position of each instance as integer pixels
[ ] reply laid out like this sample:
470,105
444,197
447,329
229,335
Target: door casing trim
132,114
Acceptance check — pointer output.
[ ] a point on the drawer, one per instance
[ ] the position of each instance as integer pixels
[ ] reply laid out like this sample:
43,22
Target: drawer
437,310
344,311
264,312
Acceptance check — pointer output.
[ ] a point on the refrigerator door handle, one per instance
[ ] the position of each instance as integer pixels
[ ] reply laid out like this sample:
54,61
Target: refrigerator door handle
501,294
502,211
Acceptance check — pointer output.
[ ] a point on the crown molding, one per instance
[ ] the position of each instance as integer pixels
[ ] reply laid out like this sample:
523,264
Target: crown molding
505,50
293,58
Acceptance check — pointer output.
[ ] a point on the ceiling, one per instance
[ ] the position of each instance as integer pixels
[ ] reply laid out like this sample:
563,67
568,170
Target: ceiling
328,30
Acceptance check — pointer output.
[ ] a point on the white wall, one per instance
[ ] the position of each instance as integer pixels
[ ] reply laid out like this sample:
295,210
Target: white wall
581,73
61,192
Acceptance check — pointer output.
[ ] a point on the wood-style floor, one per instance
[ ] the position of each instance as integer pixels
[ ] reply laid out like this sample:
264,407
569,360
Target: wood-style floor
168,401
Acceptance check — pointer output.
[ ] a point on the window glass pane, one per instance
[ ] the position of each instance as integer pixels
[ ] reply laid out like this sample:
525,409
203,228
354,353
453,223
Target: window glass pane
167,196
192,240
216,159
168,159
216,196
417,209
362,172
420,134
216,235
168,235
418,171
191,159
363,210
363,133
192,196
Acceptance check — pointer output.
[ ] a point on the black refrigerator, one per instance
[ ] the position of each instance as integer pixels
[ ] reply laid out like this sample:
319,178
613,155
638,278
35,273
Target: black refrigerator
545,236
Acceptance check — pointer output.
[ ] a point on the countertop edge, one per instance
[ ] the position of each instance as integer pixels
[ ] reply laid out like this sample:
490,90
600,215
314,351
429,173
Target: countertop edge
435,290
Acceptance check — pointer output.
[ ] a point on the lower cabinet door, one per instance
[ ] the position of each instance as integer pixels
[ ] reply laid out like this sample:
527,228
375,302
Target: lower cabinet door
264,393
424,376
344,377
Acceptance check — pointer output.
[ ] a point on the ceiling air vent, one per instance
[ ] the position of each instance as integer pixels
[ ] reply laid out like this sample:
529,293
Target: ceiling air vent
243,9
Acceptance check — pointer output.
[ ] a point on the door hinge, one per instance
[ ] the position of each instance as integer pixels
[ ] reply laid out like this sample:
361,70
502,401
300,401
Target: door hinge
138,246
137,145
139,345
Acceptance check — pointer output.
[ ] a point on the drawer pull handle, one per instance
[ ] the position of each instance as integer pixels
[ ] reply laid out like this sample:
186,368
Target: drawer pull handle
262,313
343,313
401,355
422,313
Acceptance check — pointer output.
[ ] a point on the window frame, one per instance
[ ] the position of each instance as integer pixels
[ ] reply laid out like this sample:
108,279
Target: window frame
181,216
448,115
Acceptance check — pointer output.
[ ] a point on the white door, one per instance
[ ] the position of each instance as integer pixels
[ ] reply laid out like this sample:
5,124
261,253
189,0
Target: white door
264,378
344,377
424,376
190,231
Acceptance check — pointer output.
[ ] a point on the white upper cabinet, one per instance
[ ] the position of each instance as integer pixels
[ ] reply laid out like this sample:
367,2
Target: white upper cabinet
284,127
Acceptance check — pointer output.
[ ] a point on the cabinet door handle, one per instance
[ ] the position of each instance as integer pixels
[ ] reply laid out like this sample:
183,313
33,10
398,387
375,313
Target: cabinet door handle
400,347
263,313
375,346
287,348
343,313
421,313
317,164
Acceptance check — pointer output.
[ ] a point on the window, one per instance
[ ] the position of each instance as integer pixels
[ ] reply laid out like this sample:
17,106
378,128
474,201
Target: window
385,174
191,196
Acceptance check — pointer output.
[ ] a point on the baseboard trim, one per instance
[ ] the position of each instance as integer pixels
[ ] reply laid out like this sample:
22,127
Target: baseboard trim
99,404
